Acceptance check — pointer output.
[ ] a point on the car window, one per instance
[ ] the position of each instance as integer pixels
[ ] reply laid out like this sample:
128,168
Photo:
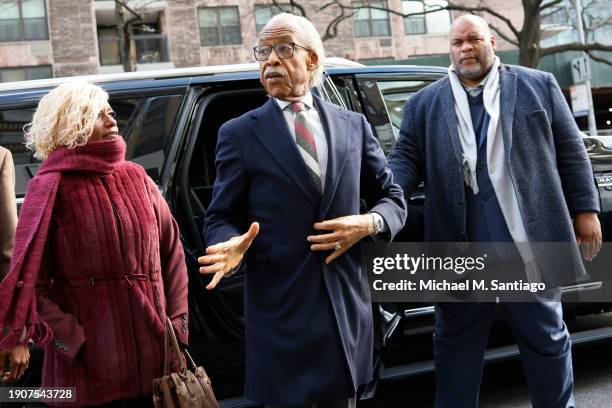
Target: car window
376,113
395,94
11,137
348,92
145,123
331,92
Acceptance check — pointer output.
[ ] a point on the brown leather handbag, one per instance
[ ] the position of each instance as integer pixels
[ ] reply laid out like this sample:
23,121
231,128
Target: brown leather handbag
188,387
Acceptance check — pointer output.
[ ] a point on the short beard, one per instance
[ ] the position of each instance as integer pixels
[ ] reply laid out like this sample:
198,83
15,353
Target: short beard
472,73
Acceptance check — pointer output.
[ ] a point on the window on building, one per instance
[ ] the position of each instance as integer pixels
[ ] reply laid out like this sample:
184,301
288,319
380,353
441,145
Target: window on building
414,24
108,42
23,20
264,12
25,73
148,44
219,26
436,21
371,22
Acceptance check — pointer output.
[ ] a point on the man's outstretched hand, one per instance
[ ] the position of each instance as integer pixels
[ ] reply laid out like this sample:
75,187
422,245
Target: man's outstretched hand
223,257
344,232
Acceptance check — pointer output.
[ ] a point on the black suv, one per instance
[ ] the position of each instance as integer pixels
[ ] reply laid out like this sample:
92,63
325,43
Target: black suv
170,121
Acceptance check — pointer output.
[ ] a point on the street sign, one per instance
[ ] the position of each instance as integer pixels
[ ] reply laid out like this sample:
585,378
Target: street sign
580,100
580,70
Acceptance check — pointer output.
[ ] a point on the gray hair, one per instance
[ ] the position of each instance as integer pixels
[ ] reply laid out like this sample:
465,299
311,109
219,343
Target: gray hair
312,40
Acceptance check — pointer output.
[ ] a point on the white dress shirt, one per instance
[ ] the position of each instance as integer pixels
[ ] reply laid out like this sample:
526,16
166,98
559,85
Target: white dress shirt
315,125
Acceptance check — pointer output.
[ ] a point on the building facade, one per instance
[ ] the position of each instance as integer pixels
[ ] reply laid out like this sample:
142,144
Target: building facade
44,38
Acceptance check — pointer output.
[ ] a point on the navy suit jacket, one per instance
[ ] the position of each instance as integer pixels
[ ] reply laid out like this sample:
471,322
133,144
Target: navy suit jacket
308,325
548,163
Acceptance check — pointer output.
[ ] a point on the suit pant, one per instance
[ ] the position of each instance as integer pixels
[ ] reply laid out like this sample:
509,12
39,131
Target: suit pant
339,403
460,340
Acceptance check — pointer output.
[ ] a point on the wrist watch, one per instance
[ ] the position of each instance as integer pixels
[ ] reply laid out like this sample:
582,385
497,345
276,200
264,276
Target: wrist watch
377,223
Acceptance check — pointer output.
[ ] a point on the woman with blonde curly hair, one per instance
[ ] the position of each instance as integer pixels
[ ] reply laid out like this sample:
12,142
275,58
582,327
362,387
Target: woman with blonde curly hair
97,262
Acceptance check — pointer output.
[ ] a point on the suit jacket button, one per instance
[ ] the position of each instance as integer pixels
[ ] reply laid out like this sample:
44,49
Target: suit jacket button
66,348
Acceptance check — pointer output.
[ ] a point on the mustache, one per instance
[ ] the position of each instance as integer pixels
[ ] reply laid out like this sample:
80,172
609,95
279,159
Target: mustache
272,73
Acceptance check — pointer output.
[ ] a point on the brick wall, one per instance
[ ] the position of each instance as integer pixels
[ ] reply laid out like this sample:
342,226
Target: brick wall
72,30
183,33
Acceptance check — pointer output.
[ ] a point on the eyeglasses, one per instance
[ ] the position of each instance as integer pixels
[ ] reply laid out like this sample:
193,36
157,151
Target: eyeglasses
283,51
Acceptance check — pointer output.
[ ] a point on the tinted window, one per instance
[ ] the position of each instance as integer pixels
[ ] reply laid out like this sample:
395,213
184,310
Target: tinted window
11,137
376,113
348,92
145,123
395,94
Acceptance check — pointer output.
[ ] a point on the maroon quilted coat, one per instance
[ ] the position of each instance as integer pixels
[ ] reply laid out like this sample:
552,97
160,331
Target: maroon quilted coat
111,270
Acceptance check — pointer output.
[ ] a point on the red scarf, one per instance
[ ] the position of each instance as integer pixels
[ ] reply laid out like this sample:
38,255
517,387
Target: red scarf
17,290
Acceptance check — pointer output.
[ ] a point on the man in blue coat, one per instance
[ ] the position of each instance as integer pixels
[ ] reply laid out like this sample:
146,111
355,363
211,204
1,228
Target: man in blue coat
503,161
291,174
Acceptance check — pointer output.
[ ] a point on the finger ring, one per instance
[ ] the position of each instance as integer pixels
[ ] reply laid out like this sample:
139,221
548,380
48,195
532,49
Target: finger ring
337,246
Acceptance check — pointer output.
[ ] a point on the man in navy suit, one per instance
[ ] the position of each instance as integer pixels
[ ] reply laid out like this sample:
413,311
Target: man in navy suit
503,161
292,174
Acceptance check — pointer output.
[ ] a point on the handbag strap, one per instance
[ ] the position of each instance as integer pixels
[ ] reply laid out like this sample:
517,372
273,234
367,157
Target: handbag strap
177,351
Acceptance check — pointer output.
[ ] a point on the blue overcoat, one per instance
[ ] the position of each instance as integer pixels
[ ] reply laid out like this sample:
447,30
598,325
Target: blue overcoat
548,163
308,325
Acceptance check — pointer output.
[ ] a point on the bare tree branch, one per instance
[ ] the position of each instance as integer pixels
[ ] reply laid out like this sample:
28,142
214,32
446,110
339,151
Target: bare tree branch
292,5
550,4
128,8
575,47
501,34
331,30
527,38
297,6
433,8
599,58
600,24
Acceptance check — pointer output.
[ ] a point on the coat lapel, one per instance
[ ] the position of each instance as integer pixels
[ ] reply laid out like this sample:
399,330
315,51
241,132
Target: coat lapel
507,103
271,129
336,126
448,104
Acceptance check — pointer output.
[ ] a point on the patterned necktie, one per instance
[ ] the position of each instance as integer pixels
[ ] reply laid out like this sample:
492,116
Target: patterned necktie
306,142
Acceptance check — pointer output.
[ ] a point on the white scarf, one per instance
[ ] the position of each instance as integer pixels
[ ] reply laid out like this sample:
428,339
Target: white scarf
499,170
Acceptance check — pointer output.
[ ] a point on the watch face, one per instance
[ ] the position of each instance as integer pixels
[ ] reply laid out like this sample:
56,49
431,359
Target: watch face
379,225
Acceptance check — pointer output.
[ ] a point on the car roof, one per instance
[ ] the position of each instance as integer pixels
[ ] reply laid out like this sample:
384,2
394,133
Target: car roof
212,70
333,65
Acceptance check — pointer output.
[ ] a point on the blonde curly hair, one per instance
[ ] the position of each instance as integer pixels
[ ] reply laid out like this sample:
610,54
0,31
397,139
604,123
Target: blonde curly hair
65,117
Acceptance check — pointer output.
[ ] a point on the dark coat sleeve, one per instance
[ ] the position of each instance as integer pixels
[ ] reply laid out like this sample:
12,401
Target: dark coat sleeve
405,160
572,160
379,190
8,210
174,269
226,215
68,334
